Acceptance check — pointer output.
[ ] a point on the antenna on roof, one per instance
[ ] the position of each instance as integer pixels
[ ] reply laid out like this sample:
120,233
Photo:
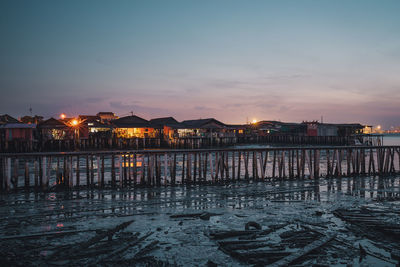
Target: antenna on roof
132,113
30,110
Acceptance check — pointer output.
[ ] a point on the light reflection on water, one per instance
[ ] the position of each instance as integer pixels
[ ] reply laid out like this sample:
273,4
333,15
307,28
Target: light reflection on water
237,195
269,203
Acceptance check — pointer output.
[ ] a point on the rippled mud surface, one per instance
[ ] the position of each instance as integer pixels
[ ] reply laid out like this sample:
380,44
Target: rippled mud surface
356,219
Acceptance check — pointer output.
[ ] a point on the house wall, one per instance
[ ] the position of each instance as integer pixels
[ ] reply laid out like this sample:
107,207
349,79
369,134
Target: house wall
367,130
312,129
24,134
135,132
54,134
327,130
169,132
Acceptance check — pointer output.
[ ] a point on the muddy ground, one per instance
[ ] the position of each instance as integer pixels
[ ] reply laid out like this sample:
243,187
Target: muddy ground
347,221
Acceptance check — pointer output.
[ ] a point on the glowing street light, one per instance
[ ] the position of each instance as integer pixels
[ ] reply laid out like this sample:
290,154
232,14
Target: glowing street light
63,116
74,124
254,121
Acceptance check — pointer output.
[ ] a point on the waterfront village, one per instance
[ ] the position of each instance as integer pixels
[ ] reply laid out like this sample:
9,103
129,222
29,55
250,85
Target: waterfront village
105,130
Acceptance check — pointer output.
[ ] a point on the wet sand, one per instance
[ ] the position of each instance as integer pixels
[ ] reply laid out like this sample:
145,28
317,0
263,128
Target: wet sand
44,228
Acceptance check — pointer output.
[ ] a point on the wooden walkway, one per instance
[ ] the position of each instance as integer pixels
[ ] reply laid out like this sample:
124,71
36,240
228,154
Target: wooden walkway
131,168
188,142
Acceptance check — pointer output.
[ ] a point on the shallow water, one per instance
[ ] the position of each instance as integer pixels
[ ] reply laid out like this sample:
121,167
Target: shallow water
391,140
184,241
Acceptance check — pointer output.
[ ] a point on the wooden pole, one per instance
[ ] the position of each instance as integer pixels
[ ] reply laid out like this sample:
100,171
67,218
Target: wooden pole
183,169
283,166
125,168
142,170
348,158
44,173
71,180
246,165
14,179
274,164
317,163
102,172
36,168
200,167
134,169
26,174
233,165
216,166
113,180
8,174
211,167
77,171
239,164
165,168
129,168
308,159
66,172
87,171
120,173
195,168
205,167
98,169
227,165
91,170
174,170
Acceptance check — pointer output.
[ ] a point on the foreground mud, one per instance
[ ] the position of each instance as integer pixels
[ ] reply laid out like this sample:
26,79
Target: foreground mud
348,221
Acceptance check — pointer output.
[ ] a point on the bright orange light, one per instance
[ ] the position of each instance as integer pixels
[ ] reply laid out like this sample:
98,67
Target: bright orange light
254,121
74,122
378,127
63,116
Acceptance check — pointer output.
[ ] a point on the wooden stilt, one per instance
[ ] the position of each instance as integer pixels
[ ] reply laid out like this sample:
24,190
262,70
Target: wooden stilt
15,174
77,171
113,179
274,164
134,169
27,184
87,171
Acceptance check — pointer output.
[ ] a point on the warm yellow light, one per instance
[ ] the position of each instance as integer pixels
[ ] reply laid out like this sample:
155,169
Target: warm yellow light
378,127
62,116
254,121
74,122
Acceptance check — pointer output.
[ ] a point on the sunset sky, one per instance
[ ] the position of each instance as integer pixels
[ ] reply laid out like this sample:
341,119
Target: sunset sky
274,60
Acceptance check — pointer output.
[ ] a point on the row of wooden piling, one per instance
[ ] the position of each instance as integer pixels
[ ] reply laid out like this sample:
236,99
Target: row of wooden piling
170,167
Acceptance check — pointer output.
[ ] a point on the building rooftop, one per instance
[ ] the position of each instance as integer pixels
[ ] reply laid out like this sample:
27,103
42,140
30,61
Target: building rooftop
52,123
167,121
131,122
8,119
209,123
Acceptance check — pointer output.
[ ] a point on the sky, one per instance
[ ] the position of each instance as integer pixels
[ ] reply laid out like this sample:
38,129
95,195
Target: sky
236,60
